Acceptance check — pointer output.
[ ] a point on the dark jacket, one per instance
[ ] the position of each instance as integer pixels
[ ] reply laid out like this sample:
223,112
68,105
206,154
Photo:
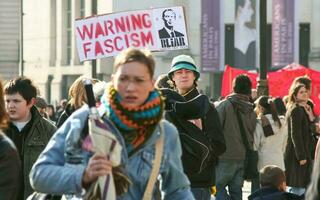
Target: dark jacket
163,33
230,125
10,169
65,114
210,127
30,142
298,147
270,193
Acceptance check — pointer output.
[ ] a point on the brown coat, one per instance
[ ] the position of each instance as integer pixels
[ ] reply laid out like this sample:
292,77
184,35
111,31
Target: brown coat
298,147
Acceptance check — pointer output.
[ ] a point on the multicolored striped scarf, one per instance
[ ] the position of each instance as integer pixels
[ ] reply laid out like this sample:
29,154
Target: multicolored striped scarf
135,124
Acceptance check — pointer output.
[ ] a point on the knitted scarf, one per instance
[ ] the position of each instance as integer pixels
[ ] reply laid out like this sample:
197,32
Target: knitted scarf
135,124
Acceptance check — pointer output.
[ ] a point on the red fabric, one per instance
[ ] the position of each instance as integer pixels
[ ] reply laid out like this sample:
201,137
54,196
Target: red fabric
279,81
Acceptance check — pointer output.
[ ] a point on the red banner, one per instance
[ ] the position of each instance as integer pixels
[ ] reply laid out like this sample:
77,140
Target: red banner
279,81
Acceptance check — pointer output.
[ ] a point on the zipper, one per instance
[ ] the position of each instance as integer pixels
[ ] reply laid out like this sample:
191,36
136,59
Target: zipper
207,153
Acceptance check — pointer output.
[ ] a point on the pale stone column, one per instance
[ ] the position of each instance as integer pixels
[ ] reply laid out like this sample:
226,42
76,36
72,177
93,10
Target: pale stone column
314,56
61,32
75,7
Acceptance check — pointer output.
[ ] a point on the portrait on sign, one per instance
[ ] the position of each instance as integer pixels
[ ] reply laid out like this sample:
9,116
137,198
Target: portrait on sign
171,27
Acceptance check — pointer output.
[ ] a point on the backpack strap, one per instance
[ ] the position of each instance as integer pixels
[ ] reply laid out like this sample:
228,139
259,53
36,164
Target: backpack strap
241,126
156,165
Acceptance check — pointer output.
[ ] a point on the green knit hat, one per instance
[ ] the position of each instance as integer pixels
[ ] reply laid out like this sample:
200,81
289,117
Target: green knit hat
183,62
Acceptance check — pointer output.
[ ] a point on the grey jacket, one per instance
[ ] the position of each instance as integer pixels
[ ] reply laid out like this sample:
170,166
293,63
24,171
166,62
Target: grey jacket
230,126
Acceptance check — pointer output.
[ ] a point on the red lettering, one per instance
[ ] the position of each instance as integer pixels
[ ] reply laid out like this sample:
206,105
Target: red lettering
135,39
120,25
146,20
108,44
126,40
98,49
146,39
99,30
86,49
108,26
86,31
116,43
136,21
128,23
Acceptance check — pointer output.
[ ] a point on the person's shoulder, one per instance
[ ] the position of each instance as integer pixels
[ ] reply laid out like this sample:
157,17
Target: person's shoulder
222,103
169,129
178,34
5,143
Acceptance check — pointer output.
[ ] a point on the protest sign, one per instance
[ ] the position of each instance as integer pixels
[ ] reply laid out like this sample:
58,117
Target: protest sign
154,29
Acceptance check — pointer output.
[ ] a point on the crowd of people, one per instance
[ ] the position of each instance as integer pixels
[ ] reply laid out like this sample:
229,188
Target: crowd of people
176,143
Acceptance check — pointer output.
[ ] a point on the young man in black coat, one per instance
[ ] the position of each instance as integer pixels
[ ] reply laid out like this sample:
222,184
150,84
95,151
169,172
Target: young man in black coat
195,117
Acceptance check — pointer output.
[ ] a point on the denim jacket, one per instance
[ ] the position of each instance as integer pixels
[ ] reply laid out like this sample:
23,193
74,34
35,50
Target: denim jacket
50,174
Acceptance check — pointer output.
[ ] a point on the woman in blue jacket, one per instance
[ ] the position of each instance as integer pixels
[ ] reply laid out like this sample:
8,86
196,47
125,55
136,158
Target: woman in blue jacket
135,109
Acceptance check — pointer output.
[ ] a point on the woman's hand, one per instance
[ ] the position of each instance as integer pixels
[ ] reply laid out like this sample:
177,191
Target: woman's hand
309,112
318,128
302,162
98,165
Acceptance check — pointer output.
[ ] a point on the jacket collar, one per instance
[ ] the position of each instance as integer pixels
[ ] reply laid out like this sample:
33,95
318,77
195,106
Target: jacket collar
191,94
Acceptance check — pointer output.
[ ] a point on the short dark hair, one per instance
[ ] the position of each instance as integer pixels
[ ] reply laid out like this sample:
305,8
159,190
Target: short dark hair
242,84
169,9
23,86
280,106
272,176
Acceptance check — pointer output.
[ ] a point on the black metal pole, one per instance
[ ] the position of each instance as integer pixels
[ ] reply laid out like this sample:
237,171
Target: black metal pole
21,40
262,88
94,62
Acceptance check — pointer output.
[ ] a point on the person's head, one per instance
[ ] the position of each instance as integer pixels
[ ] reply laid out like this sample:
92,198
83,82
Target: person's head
280,106
77,92
254,94
264,106
305,80
3,113
50,110
242,85
244,10
133,76
184,73
20,95
63,103
297,94
273,176
168,17
41,105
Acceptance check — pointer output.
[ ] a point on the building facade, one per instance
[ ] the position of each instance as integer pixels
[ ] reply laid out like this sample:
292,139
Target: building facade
9,38
50,53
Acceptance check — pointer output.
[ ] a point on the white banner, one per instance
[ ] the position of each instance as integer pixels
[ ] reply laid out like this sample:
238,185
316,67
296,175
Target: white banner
107,35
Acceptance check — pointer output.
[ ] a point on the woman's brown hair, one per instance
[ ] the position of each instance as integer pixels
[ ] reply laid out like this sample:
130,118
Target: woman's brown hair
4,119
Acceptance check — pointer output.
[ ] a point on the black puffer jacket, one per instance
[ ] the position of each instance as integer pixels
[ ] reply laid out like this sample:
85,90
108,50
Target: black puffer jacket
65,114
10,169
210,127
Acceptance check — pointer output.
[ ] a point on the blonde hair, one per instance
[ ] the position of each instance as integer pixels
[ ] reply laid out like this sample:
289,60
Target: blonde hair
77,92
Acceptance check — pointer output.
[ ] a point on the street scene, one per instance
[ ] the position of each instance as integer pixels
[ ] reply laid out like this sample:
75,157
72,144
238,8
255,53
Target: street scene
150,100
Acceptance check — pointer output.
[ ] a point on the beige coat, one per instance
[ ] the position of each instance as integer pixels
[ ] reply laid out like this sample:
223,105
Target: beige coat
271,149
